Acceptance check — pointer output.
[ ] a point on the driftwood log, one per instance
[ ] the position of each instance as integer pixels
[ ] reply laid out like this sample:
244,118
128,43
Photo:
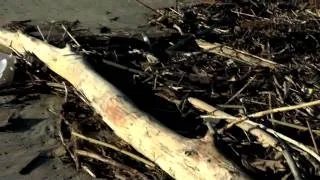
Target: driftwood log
180,157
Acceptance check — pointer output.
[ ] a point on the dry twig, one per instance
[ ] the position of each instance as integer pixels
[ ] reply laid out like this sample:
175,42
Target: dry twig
236,54
294,126
259,133
113,64
104,144
250,126
287,139
284,109
72,154
262,136
312,137
86,169
108,161
41,33
70,35
267,112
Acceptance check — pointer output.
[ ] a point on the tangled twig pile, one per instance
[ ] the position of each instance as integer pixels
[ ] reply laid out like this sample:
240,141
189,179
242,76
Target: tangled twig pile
244,74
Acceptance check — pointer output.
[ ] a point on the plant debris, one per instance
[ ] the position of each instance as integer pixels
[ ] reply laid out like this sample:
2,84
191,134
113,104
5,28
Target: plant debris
159,72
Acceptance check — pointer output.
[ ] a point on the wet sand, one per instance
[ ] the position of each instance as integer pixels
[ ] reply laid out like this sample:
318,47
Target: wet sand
115,14
30,148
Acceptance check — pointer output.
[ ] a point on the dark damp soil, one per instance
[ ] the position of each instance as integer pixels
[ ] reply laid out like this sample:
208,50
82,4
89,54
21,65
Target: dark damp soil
159,71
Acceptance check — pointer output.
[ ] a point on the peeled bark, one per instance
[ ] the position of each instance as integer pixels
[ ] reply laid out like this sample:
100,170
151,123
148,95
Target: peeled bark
180,157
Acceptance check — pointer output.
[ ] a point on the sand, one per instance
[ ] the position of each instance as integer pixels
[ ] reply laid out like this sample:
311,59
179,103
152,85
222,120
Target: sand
30,148
116,14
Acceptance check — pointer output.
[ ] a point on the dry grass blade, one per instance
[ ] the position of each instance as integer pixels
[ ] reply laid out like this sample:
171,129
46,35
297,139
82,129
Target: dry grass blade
312,137
236,54
86,169
240,90
94,141
284,109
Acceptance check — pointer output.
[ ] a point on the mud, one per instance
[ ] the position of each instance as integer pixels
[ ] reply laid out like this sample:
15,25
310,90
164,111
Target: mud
115,14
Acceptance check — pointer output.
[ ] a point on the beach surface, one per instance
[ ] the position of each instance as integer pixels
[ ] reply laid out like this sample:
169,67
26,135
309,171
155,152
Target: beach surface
29,145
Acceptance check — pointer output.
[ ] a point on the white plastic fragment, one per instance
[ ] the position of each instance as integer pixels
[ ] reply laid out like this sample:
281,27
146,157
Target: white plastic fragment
7,69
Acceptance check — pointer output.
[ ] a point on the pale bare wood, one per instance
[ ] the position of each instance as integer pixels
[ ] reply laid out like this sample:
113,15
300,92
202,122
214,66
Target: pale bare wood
284,109
264,138
254,128
236,54
164,147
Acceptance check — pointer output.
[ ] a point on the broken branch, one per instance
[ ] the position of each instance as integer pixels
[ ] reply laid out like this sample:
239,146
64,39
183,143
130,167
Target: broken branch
250,126
284,109
236,54
158,143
